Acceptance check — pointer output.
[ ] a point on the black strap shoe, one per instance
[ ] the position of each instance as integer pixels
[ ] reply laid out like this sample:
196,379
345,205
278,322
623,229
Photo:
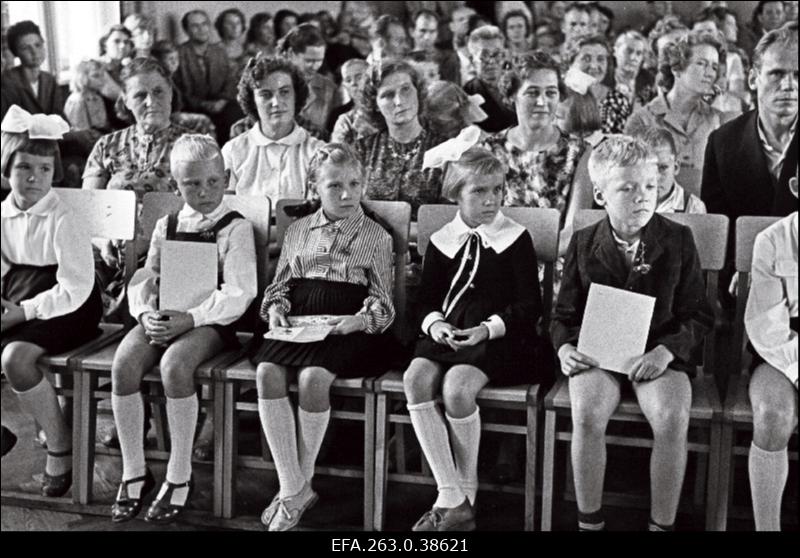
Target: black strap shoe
126,508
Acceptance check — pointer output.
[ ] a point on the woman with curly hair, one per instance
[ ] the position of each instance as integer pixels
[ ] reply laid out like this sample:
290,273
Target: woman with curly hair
231,26
691,70
272,157
545,166
394,98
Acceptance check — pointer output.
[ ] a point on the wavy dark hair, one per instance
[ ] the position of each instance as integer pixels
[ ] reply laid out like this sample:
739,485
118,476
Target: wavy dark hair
220,21
260,67
119,27
19,30
522,68
377,74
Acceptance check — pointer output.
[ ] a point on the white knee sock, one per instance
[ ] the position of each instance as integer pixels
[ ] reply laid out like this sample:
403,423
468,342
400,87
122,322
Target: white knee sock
768,473
432,435
311,428
129,419
277,420
182,419
41,403
465,435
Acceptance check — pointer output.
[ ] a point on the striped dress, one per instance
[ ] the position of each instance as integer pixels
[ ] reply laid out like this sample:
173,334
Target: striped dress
341,267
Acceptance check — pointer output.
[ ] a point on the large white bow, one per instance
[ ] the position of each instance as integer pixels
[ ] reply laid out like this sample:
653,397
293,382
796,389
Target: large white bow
38,126
474,111
452,149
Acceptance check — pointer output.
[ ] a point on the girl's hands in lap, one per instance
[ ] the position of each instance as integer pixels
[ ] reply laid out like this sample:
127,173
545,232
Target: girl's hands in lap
277,318
347,324
469,337
441,332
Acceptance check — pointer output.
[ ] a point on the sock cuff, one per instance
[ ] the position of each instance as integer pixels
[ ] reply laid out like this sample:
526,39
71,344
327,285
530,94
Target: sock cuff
465,420
35,389
189,400
766,454
274,403
421,406
308,416
125,398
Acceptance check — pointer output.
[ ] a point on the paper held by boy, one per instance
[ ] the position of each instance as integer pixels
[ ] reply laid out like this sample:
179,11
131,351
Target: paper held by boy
188,274
615,326
304,329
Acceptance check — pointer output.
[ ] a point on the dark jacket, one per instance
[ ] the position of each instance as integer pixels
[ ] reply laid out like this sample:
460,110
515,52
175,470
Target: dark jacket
15,90
204,79
737,181
682,314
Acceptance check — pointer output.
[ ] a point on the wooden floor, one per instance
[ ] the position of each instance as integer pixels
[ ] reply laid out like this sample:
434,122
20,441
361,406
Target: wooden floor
339,508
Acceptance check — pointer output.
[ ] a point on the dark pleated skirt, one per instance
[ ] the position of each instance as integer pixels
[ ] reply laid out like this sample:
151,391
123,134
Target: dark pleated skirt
56,335
356,355
508,361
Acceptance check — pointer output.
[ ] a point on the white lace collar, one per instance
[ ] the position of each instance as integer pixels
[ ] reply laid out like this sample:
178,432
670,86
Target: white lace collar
498,235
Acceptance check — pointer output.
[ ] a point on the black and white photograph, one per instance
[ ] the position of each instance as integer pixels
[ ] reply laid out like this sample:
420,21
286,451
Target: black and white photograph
401,276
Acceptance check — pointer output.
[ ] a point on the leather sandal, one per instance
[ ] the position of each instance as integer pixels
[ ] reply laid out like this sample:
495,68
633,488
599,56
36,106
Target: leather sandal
162,510
55,486
126,508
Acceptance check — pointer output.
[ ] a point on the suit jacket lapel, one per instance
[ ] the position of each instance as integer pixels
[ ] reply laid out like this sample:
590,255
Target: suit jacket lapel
605,251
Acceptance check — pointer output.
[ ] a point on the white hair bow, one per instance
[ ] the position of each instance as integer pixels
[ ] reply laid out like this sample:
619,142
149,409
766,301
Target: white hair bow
474,112
38,126
578,81
452,149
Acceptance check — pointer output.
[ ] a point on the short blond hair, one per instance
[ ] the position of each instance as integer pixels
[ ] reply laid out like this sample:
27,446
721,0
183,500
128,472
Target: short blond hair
475,161
194,147
616,151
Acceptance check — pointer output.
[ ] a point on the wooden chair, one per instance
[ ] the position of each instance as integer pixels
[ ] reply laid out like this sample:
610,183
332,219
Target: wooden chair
97,365
738,414
396,215
710,234
543,226
106,214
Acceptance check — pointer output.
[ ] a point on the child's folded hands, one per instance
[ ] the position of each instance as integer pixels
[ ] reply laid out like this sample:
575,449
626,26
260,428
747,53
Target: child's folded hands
164,326
650,365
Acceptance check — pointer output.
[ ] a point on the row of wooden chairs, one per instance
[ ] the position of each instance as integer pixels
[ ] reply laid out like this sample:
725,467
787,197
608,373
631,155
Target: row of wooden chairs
111,214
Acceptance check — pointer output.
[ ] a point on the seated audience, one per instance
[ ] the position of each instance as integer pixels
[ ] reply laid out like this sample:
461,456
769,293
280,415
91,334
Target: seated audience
488,57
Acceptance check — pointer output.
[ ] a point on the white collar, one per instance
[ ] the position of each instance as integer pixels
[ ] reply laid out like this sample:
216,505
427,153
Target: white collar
498,235
43,207
675,201
188,214
297,136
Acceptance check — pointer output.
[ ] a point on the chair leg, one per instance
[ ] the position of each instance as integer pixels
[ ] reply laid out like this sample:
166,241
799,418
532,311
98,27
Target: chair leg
548,469
530,466
229,422
369,460
160,418
219,448
701,474
84,430
381,461
400,447
724,486
712,496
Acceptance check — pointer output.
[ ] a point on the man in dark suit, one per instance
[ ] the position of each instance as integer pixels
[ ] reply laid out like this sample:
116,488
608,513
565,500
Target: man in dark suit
749,160
205,77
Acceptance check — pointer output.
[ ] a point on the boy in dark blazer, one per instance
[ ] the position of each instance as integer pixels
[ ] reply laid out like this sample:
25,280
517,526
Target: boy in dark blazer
637,250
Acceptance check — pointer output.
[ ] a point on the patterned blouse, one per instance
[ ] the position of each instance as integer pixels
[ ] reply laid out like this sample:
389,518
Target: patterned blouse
354,250
394,170
129,159
614,112
537,179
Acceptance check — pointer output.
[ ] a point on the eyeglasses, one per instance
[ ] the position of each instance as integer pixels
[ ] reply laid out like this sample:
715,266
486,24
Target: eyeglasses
495,57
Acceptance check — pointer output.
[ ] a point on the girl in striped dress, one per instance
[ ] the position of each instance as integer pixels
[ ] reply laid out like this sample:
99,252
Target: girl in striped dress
336,261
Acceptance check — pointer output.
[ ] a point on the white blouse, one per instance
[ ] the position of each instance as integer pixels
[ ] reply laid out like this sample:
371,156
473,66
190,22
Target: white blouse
237,260
48,234
277,169
773,296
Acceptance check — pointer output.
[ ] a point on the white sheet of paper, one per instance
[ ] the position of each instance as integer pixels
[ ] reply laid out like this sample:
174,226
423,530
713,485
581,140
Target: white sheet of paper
315,319
188,274
300,334
615,326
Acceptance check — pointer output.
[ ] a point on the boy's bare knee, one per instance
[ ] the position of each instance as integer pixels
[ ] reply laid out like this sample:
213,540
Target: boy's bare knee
271,381
19,365
177,376
670,420
772,426
589,418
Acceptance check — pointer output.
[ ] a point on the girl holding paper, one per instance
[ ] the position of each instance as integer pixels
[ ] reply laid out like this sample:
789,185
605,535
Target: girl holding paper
480,300
179,340
335,261
50,301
